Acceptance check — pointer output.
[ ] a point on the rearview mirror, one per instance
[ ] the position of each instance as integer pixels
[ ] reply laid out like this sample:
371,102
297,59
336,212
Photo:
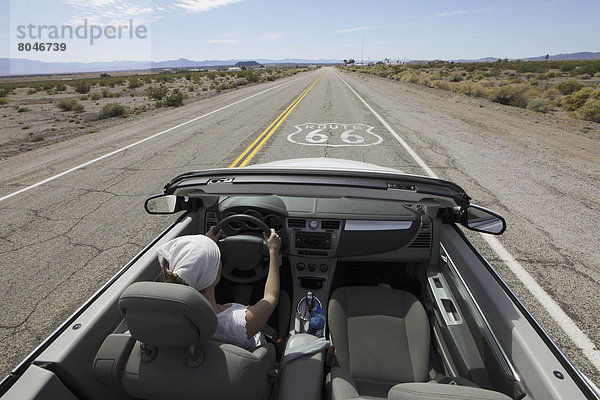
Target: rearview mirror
162,204
483,220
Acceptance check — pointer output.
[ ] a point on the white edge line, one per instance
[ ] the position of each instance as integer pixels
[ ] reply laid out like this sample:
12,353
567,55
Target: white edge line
410,151
581,340
556,312
8,196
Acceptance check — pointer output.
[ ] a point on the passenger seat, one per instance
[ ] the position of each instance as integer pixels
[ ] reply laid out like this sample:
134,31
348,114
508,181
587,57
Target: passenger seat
381,338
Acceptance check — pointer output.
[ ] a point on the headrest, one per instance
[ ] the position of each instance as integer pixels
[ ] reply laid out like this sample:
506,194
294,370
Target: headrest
167,314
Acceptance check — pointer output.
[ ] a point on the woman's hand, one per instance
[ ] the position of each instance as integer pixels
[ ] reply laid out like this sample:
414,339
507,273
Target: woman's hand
258,314
273,241
212,234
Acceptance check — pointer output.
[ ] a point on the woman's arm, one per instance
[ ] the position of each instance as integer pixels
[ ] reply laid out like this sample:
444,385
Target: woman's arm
258,314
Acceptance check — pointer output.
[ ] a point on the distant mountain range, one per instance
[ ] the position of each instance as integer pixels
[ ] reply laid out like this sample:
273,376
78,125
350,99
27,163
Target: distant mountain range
21,66
584,55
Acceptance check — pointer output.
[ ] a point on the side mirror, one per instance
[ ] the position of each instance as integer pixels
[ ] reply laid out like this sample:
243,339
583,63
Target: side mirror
480,219
162,204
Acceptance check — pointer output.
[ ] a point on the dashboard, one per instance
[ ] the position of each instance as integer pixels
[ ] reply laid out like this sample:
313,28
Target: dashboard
342,228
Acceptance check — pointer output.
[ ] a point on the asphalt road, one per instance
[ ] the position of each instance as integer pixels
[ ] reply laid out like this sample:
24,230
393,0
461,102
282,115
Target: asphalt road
60,241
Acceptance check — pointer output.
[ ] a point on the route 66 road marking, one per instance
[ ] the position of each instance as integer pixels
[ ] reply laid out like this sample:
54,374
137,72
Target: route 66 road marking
334,134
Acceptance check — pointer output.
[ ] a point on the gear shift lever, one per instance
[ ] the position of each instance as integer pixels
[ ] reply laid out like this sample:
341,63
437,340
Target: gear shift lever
309,304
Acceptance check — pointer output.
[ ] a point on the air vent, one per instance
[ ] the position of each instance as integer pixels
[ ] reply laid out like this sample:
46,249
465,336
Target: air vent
330,224
296,223
423,239
211,220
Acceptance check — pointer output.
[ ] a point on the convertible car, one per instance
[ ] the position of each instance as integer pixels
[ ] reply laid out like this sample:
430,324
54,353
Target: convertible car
413,310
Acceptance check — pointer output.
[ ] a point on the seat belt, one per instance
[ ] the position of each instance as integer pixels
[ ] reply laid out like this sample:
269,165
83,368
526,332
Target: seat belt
453,380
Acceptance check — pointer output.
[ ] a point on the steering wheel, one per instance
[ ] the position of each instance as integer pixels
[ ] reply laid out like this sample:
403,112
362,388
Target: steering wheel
243,255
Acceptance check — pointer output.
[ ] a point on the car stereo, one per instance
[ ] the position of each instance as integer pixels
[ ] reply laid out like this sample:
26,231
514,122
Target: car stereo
313,240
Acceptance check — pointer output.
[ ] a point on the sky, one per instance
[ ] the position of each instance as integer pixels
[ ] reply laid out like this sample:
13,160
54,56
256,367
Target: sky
309,29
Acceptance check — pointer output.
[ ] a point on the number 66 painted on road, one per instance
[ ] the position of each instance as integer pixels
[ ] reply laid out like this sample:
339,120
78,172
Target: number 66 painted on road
334,135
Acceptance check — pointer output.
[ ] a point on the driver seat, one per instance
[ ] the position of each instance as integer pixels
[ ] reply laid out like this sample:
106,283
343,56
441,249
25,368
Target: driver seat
174,357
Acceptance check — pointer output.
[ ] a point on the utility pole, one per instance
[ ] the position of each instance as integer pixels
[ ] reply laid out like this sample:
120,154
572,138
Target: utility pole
362,52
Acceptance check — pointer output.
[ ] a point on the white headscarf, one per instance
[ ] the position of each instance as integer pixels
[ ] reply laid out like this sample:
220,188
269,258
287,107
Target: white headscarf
195,258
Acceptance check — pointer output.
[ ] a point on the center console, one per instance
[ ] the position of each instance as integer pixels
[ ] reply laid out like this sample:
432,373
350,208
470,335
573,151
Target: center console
313,246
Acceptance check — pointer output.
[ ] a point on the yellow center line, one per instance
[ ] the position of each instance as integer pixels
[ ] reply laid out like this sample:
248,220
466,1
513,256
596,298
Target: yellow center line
256,145
249,148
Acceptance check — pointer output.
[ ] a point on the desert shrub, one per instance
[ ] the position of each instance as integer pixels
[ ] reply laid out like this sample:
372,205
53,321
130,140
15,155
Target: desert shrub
590,111
425,81
70,105
31,91
486,82
95,96
111,110
3,101
540,105
135,83
471,89
22,109
82,87
174,99
585,76
110,95
222,86
156,92
444,85
36,139
552,93
568,87
46,86
455,76
514,95
3,92
587,68
252,76
407,76
551,74
567,66
573,101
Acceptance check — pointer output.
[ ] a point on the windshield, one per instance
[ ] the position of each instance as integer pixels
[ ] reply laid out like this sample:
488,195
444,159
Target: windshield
103,102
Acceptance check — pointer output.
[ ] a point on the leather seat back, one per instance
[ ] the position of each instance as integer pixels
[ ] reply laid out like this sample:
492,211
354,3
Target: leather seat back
381,336
174,356
167,315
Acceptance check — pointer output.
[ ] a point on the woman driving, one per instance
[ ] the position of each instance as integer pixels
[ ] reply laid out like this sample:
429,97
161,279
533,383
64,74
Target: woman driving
195,260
